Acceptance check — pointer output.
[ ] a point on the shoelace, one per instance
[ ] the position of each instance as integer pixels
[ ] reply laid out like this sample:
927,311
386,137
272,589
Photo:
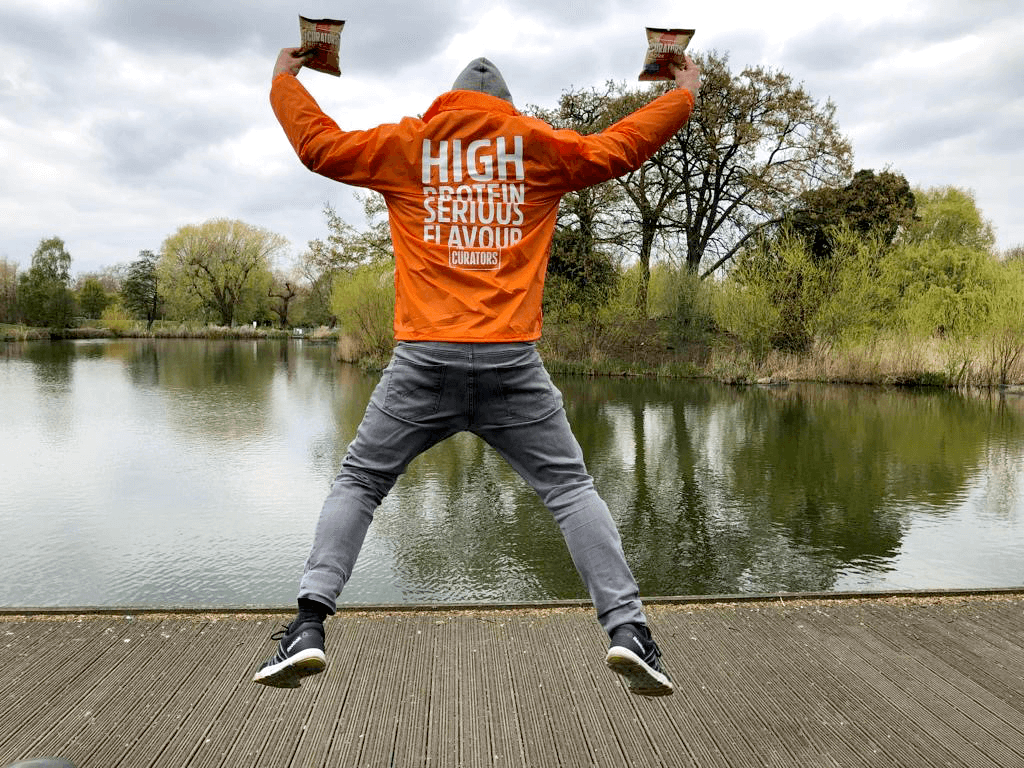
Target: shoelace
279,635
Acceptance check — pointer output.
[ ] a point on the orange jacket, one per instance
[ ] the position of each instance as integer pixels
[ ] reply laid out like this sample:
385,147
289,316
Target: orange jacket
472,190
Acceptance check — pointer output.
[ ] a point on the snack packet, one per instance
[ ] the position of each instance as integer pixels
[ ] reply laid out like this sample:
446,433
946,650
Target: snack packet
324,37
664,47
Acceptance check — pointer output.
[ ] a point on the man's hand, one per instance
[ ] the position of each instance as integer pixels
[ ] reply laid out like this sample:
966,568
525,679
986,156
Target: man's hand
687,76
290,62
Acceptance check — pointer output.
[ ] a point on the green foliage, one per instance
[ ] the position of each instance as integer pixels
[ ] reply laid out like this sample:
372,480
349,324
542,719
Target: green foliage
219,269
852,308
950,216
870,274
940,288
577,275
784,274
1005,335
8,291
681,297
345,249
140,293
51,261
871,205
44,298
746,311
364,303
92,298
117,319
942,277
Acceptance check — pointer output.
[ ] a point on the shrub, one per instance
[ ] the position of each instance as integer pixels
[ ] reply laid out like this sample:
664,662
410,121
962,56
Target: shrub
364,303
116,319
682,297
747,312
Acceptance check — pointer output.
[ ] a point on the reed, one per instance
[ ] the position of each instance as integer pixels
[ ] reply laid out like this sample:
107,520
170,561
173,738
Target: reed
987,362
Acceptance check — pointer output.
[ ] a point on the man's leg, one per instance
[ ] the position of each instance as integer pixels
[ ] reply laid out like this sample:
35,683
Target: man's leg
402,420
546,454
520,414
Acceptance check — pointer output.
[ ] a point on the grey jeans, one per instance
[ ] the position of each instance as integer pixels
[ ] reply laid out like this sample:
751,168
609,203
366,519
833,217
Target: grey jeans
502,393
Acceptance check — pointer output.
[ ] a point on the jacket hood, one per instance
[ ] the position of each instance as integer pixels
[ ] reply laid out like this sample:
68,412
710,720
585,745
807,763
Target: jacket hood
454,101
481,75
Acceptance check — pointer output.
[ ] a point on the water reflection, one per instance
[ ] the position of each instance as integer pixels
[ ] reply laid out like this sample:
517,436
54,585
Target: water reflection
723,490
192,472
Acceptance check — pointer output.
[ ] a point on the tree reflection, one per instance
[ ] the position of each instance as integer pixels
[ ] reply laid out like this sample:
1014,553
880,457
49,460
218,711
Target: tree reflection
715,489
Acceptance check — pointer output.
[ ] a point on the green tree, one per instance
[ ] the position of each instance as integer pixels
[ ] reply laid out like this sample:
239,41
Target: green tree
140,292
341,253
950,216
582,271
943,276
92,298
364,303
781,271
8,291
44,296
878,205
220,268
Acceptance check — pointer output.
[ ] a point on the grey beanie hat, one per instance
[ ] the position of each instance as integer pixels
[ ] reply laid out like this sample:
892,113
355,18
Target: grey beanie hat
481,75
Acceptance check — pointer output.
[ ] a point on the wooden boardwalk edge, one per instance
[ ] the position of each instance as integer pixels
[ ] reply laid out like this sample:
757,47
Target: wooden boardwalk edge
745,597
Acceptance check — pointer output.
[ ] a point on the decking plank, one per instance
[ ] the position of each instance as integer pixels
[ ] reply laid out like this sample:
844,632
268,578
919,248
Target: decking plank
851,682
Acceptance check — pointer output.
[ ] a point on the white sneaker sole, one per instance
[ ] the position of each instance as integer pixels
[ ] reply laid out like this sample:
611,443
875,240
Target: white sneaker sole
289,673
643,680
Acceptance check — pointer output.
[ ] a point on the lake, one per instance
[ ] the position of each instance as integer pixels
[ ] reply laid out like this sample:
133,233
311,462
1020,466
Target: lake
166,473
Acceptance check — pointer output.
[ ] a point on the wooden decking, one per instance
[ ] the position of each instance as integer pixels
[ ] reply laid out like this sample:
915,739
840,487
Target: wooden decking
900,681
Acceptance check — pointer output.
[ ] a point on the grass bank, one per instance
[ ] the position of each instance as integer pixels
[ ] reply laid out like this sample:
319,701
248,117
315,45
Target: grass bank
995,361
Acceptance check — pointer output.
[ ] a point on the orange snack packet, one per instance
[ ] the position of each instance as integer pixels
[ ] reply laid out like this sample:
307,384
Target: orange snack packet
323,37
664,47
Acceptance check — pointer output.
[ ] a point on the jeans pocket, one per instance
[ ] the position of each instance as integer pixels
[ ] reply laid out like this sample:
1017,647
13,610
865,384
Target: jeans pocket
413,390
527,392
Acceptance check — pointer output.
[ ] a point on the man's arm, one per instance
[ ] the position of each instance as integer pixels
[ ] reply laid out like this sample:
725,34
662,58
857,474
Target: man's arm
629,143
320,144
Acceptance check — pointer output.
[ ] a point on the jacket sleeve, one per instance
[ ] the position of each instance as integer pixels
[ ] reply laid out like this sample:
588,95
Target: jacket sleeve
321,145
626,145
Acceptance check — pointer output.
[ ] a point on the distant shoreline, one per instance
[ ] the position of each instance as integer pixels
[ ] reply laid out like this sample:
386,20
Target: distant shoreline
881,364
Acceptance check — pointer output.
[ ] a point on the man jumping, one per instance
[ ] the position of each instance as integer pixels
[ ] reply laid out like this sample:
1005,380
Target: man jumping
472,190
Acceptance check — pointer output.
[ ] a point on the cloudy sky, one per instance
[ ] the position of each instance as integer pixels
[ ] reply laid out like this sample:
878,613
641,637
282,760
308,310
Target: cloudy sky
123,120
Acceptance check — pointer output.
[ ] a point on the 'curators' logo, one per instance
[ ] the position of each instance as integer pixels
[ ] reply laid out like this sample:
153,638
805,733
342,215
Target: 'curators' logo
474,259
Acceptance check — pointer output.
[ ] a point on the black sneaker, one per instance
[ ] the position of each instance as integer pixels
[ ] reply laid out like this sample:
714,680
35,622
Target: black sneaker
635,656
300,653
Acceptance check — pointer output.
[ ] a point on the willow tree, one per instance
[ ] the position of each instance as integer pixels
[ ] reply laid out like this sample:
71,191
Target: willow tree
222,267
